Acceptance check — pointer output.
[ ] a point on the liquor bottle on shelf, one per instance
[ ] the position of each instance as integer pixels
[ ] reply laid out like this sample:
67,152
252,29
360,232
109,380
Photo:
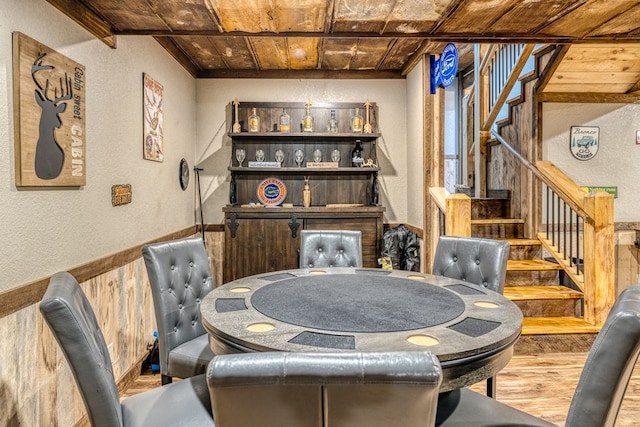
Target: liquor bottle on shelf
332,125
356,155
285,122
254,121
307,120
356,122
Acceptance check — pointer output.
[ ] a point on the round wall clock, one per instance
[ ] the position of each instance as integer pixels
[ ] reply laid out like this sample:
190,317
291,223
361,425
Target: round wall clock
184,174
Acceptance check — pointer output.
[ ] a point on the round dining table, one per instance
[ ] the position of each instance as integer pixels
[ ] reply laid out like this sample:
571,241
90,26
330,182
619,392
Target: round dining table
469,328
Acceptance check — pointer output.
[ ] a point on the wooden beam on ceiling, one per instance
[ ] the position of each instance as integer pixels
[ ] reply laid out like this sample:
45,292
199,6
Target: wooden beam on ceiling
179,55
440,37
298,74
88,20
589,97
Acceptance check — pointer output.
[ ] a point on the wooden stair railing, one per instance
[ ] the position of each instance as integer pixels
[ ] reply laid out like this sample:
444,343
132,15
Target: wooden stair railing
595,210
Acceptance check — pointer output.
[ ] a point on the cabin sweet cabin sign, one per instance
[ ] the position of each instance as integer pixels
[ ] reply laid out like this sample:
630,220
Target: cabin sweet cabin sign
49,116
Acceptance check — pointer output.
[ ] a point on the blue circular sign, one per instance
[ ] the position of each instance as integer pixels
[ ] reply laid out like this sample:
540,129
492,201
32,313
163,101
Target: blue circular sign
448,65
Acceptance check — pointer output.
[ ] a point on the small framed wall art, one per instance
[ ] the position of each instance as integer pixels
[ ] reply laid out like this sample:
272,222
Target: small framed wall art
153,123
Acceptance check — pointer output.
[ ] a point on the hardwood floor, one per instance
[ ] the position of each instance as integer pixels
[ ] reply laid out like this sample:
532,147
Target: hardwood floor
540,384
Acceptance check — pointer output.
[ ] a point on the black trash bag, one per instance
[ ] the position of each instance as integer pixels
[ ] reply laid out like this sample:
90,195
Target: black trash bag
402,247
411,253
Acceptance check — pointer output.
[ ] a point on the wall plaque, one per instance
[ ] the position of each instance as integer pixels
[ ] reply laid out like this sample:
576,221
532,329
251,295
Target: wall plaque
49,116
584,141
120,194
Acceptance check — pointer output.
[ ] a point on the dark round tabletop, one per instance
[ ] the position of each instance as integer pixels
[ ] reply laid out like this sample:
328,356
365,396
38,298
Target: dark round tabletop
469,328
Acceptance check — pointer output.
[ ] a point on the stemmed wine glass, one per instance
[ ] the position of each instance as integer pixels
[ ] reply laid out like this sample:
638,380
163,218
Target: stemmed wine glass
299,157
241,153
335,156
280,156
260,155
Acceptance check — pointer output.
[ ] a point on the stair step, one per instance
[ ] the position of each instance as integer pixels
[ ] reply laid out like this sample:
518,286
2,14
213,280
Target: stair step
524,293
557,325
497,221
531,265
522,242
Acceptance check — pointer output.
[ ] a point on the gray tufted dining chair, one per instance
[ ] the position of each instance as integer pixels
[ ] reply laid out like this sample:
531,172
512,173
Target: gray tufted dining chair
600,389
475,260
330,248
68,313
354,389
180,277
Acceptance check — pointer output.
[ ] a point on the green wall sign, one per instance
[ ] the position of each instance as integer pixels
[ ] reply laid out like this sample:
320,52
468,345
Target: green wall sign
597,189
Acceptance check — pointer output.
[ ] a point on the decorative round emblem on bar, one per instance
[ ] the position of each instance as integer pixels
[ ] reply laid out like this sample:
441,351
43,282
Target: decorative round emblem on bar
423,340
240,290
261,327
272,192
486,304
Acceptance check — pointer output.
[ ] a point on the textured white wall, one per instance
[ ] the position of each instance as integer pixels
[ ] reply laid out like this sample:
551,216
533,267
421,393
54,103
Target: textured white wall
618,157
44,231
214,147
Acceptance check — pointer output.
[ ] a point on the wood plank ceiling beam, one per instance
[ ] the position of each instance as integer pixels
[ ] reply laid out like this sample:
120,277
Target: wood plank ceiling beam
87,19
440,37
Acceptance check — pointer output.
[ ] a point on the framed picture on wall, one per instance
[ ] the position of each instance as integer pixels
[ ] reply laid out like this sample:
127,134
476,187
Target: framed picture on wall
49,109
153,124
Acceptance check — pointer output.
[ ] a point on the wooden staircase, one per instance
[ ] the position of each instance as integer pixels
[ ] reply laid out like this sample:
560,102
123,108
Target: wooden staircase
552,309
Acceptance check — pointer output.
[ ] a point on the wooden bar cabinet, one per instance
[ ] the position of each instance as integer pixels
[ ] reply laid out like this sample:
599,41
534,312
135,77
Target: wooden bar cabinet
260,237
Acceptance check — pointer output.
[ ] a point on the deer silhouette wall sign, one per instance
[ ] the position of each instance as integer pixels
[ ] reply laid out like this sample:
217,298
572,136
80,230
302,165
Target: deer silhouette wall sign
49,157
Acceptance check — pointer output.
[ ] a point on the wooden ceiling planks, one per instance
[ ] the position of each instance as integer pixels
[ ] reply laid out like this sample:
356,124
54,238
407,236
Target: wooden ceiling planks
414,16
368,38
303,53
128,14
401,48
602,68
525,16
272,53
255,16
195,16
625,22
474,17
586,18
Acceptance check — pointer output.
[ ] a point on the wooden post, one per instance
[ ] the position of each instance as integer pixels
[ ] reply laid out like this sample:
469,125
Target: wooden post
599,250
458,215
433,160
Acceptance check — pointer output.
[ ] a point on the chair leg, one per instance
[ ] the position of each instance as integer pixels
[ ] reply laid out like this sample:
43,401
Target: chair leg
166,379
491,387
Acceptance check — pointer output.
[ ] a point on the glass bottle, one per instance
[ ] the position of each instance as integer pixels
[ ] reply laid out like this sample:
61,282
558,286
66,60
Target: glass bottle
285,121
332,125
356,122
307,120
254,121
356,155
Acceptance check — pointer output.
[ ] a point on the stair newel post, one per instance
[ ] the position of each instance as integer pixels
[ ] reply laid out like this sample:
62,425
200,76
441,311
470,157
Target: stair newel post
599,250
458,215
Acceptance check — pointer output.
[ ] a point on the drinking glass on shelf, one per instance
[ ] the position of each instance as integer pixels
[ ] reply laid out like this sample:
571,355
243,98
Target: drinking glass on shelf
260,155
299,157
317,155
240,155
279,156
335,156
